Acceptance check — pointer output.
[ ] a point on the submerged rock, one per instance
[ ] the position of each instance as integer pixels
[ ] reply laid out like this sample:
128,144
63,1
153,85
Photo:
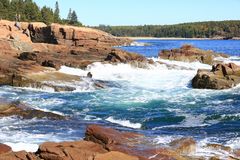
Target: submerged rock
25,112
189,53
222,76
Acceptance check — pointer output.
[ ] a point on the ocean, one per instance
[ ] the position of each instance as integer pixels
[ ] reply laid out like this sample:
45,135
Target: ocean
158,102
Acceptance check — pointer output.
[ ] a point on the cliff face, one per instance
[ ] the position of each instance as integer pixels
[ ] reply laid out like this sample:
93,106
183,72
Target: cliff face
74,36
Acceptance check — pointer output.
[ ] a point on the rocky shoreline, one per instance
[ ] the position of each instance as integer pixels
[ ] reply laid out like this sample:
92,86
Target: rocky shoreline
34,60
101,143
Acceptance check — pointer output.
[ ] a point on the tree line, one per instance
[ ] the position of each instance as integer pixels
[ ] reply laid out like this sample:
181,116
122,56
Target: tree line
27,10
211,29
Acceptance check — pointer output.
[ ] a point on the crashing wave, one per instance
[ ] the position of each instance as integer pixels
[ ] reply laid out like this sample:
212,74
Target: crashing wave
125,123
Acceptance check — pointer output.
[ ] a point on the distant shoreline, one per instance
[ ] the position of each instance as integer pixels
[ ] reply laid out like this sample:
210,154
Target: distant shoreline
173,38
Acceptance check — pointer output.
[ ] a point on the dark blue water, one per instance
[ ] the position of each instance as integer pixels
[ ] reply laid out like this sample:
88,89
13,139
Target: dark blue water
231,47
157,102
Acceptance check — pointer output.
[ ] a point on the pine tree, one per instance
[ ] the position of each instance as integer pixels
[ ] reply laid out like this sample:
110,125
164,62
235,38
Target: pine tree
74,18
69,14
56,13
4,9
47,15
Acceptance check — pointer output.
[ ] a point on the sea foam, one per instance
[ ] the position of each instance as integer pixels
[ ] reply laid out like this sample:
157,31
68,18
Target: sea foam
125,123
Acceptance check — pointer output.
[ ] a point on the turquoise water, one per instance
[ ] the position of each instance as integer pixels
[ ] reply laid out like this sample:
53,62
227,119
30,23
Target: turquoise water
158,102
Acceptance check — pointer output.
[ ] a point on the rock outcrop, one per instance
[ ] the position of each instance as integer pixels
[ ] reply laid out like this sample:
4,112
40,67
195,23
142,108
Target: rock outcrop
33,60
17,109
74,36
128,143
189,53
222,76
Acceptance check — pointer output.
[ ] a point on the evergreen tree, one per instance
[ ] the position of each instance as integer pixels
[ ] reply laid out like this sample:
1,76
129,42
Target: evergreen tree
31,11
74,18
47,15
57,18
69,14
4,9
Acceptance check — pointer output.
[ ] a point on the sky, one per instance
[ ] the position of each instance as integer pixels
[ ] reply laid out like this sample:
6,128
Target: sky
141,12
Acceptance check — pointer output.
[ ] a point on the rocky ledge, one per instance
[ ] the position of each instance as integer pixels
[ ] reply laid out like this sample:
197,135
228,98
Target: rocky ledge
31,55
189,53
25,112
222,76
108,144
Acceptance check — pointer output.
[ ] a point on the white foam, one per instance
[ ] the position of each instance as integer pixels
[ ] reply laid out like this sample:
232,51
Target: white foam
125,123
190,65
164,140
207,152
91,118
234,143
23,146
138,44
188,122
232,59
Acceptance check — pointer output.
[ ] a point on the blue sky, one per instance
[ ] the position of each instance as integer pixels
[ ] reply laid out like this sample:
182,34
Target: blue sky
140,12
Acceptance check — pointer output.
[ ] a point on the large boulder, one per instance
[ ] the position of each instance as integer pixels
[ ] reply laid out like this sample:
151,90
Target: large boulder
222,76
189,53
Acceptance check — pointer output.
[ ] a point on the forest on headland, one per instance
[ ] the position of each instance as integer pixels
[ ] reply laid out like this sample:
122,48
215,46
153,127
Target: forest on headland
29,11
211,29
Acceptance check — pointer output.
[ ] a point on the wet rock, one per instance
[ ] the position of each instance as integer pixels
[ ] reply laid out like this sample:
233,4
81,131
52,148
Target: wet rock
89,75
23,111
115,156
214,158
219,147
222,76
184,146
70,150
5,149
166,154
189,53
237,152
